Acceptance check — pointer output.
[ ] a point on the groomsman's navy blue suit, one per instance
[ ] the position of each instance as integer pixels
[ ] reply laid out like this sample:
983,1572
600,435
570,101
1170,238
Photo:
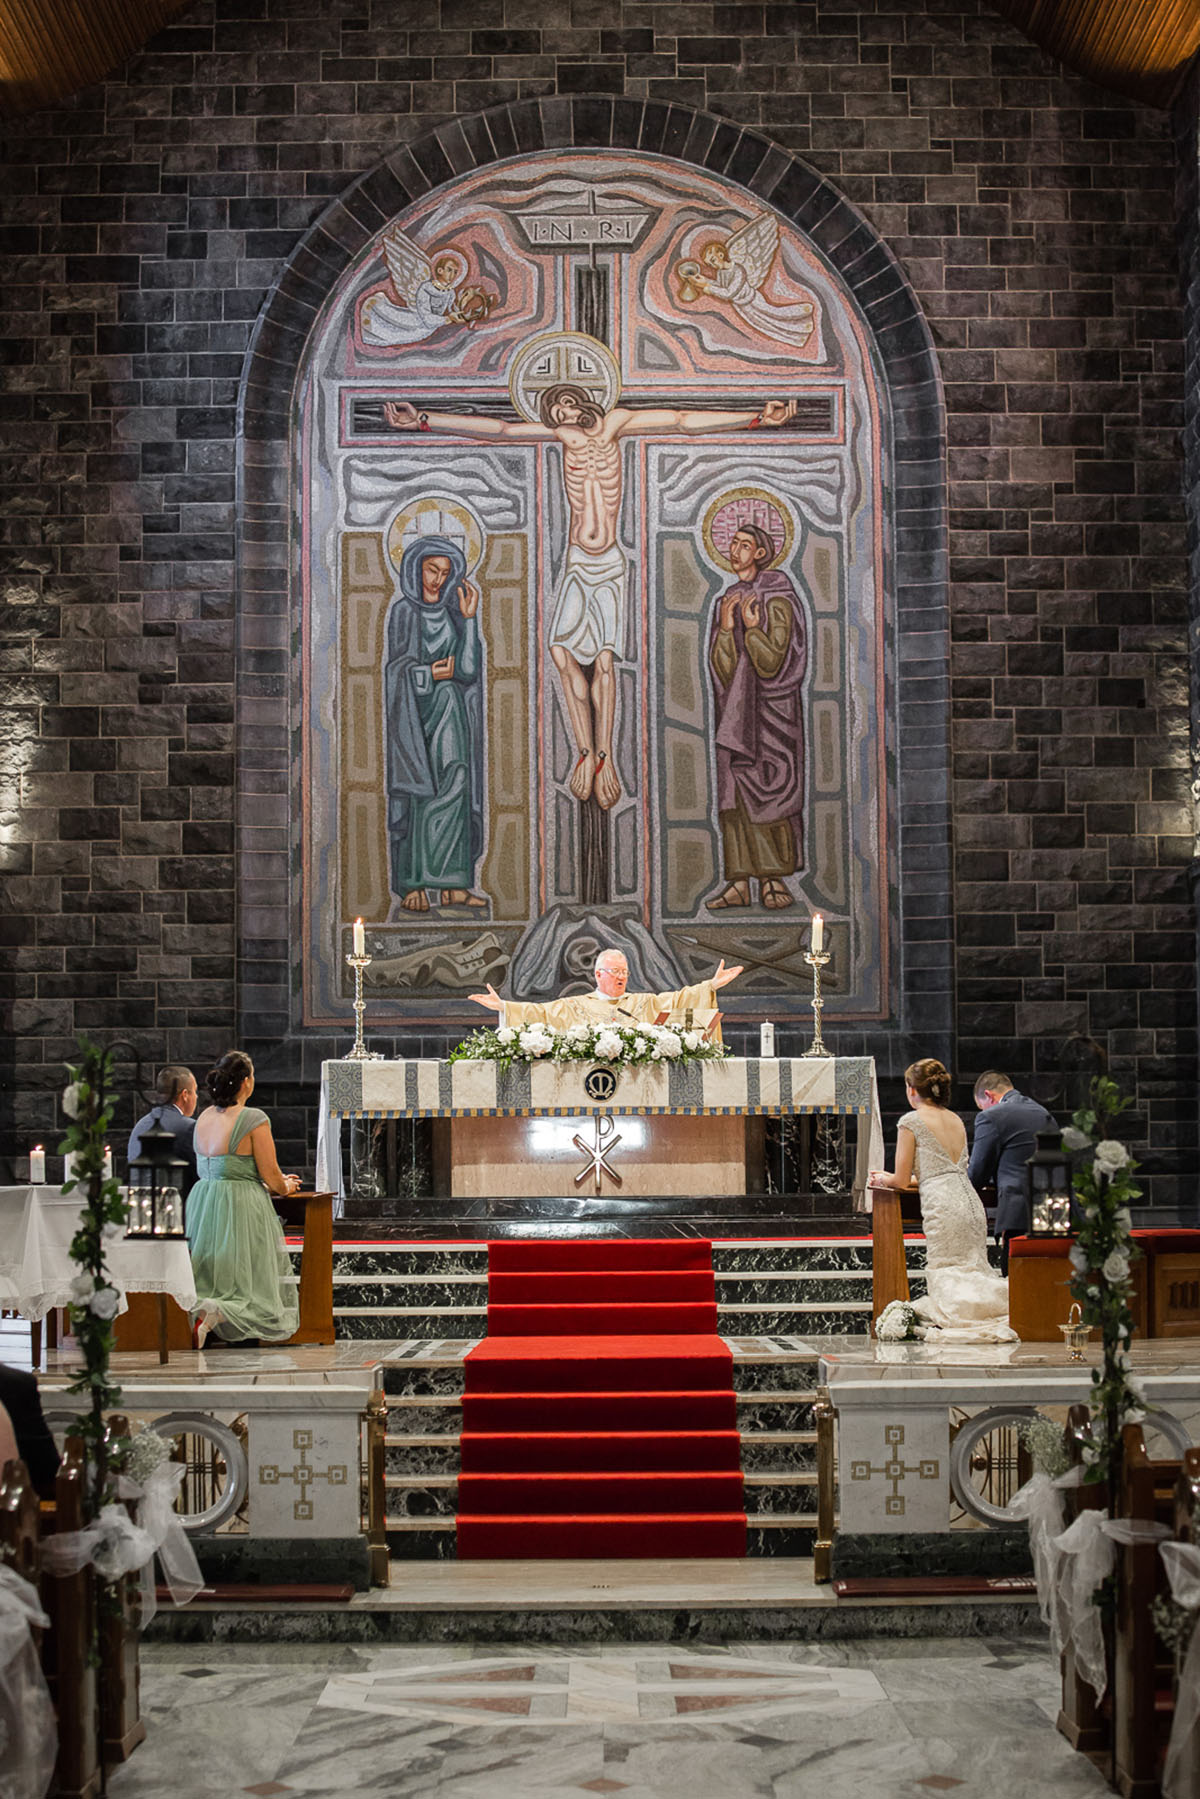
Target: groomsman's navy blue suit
182,1129
1002,1143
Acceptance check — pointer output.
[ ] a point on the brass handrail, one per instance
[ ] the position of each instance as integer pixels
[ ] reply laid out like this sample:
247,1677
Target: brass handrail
824,1416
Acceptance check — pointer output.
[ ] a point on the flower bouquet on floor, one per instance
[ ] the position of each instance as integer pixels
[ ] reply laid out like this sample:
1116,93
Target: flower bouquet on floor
899,1322
632,1045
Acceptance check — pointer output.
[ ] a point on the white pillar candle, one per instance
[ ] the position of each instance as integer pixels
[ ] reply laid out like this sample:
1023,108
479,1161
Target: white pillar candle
37,1165
360,942
818,934
766,1040
108,1162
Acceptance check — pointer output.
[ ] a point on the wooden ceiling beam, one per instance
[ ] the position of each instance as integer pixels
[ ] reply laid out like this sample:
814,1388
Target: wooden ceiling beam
1141,48
50,49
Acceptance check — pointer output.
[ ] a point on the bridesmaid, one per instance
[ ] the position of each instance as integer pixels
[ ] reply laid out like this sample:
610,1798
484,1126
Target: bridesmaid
245,1292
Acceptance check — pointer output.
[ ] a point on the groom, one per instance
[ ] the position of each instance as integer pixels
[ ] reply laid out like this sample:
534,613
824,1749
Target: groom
1002,1144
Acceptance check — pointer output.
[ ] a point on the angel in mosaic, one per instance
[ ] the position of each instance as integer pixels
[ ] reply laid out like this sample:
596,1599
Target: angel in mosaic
421,296
734,270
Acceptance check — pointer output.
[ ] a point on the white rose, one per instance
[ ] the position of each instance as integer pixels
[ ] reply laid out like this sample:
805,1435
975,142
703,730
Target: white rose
506,1035
535,1042
1077,1258
104,1302
692,1040
1075,1140
1110,1156
82,1287
608,1045
1123,1220
112,1232
670,1044
1115,1267
72,1100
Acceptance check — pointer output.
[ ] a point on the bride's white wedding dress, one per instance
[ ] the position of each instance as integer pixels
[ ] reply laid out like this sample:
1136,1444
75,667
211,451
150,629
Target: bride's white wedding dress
966,1301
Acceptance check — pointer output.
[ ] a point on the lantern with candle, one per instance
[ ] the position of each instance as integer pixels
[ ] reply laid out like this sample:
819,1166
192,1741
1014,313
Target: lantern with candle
157,1207
1049,1177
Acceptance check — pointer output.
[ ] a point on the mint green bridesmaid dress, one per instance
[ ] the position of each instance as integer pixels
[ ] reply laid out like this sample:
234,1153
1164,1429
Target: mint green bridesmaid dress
239,1261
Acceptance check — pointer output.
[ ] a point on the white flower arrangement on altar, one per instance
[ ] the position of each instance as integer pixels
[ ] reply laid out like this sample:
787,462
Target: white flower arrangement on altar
637,1045
899,1323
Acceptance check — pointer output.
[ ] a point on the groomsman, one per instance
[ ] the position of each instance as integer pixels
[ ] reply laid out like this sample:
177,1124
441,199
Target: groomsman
1001,1145
177,1096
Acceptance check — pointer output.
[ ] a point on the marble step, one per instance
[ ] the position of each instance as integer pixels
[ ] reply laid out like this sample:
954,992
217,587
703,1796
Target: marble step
851,1317
459,1292
768,1534
439,1418
414,1495
437,1260
770,1367
769,1452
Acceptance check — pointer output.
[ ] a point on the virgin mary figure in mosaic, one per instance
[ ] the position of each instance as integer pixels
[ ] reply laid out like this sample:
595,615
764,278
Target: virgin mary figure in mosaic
433,699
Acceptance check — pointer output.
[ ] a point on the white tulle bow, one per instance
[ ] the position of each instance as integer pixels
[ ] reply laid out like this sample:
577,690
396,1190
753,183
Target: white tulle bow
1182,1563
116,1544
28,1731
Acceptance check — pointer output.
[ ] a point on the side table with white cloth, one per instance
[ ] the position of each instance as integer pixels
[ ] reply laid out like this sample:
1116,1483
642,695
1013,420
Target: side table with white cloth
37,1225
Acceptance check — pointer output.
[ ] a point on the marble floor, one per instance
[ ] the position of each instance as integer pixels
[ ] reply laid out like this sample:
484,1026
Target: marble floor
472,1721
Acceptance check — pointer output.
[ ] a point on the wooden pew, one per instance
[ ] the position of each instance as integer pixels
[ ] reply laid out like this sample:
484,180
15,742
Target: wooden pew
68,1601
1143,1671
1187,1530
120,1679
1081,1720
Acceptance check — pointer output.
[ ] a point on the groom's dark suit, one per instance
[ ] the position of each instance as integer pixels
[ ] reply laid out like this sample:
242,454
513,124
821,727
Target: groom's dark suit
1002,1143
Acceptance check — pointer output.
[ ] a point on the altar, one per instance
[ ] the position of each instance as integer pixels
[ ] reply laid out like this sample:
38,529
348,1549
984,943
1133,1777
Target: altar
643,1130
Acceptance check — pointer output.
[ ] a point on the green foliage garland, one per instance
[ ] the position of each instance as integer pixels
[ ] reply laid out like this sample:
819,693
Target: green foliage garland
1102,1258
87,1102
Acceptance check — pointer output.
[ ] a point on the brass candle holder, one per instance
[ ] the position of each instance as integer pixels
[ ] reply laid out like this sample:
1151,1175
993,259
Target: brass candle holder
1075,1333
360,1052
816,961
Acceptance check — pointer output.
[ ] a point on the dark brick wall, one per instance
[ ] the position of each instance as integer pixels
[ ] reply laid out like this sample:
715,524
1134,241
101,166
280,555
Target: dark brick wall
146,223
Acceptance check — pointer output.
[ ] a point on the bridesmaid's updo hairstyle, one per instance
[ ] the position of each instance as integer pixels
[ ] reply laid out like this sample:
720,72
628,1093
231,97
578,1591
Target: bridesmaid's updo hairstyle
930,1079
224,1081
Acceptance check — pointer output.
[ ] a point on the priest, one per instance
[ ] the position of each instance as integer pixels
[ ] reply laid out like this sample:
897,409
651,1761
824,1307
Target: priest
609,1003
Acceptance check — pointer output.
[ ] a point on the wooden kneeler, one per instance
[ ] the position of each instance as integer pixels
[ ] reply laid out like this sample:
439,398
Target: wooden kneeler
1142,1674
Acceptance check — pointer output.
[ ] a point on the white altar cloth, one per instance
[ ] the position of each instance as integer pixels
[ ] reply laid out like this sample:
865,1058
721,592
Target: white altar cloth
36,1270
751,1085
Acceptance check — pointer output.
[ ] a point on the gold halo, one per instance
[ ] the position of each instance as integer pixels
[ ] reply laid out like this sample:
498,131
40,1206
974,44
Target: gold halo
604,382
747,499
469,527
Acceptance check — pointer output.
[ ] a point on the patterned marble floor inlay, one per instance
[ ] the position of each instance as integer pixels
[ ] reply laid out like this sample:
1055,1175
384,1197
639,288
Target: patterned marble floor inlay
571,1689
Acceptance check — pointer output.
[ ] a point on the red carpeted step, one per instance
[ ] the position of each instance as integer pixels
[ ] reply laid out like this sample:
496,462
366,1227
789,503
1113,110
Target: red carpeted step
595,1538
598,1364
674,1410
600,1286
608,1452
512,1495
513,1255
617,1320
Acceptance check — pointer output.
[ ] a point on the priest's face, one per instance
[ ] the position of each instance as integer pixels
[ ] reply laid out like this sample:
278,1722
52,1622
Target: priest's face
612,975
435,572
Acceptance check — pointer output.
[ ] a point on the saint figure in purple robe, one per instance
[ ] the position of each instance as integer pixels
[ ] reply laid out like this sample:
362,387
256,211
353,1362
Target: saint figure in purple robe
757,655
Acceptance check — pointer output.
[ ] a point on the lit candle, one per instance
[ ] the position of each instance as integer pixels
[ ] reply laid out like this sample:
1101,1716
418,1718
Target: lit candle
37,1165
360,942
108,1163
818,934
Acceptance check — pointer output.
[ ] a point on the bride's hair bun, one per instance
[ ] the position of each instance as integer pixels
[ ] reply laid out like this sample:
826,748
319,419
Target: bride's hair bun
930,1079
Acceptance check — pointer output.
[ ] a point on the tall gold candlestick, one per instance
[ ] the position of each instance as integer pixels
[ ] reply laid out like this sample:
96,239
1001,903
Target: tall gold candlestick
816,961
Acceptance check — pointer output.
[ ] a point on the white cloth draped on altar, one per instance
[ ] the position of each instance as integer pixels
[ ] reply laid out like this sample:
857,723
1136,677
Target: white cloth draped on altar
739,1085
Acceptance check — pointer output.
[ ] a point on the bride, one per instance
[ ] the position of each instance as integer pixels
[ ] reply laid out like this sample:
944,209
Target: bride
966,1301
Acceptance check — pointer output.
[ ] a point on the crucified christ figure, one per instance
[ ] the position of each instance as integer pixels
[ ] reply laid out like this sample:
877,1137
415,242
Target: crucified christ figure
589,602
